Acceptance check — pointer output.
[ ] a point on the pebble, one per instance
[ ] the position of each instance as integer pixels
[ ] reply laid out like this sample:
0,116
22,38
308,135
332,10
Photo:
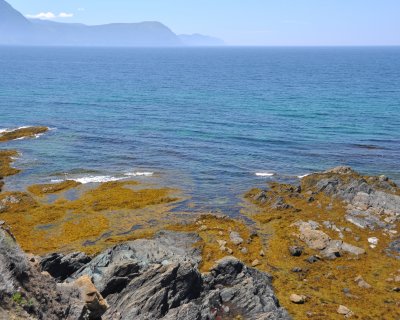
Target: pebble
244,250
203,228
344,310
262,253
373,241
362,283
221,243
298,299
312,259
255,263
297,269
296,251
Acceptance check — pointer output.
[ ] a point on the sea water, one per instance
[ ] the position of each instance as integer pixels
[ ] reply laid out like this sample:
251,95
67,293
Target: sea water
213,122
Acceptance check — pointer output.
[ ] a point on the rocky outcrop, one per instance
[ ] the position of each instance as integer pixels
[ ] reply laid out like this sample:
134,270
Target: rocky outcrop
318,240
373,202
179,291
25,293
143,279
159,279
113,269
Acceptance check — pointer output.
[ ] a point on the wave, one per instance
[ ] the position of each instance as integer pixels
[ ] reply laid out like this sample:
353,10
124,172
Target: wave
96,179
264,174
139,174
304,175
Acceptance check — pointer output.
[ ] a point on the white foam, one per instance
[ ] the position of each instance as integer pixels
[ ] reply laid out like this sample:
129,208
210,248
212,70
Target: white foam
139,174
56,180
303,176
95,179
264,174
3,130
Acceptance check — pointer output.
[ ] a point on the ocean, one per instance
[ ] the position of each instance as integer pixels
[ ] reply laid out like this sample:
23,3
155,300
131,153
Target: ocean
213,122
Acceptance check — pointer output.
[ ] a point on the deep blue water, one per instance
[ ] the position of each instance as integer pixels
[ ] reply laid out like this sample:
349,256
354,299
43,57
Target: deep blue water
205,119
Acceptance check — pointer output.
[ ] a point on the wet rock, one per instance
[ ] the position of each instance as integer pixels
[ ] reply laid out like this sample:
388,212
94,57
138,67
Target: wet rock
62,266
261,197
296,251
298,299
235,238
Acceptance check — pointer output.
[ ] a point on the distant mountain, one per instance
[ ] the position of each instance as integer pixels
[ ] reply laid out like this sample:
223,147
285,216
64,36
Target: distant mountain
200,40
13,25
15,29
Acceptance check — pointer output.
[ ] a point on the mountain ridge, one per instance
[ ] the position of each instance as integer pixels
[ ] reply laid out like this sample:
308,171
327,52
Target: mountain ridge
15,29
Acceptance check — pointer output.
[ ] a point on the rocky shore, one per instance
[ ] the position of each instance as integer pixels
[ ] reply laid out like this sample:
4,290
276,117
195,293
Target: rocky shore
144,279
327,247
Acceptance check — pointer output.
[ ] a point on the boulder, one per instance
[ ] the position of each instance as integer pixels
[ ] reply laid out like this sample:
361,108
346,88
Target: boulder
235,238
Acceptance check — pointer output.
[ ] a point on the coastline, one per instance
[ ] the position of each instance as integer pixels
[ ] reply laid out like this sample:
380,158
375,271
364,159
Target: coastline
313,238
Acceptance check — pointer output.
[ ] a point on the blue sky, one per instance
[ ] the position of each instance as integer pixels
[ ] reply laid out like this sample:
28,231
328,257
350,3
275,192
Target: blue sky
242,22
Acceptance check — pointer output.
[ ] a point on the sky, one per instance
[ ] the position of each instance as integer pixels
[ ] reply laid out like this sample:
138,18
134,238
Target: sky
241,22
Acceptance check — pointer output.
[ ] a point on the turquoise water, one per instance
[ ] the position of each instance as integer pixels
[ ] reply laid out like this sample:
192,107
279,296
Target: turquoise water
205,120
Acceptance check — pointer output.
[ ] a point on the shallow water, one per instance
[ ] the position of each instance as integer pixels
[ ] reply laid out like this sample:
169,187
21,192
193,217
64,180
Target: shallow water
205,120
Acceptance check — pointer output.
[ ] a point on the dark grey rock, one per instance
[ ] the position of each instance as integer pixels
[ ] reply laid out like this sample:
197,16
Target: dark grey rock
179,291
280,204
313,259
393,249
61,266
113,269
296,251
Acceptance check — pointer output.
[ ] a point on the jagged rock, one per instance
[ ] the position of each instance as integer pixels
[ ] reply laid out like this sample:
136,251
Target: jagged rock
40,298
62,266
179,291
112,270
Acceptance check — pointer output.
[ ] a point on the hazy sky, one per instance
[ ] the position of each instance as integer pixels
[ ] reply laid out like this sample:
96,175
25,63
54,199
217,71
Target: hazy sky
242,22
